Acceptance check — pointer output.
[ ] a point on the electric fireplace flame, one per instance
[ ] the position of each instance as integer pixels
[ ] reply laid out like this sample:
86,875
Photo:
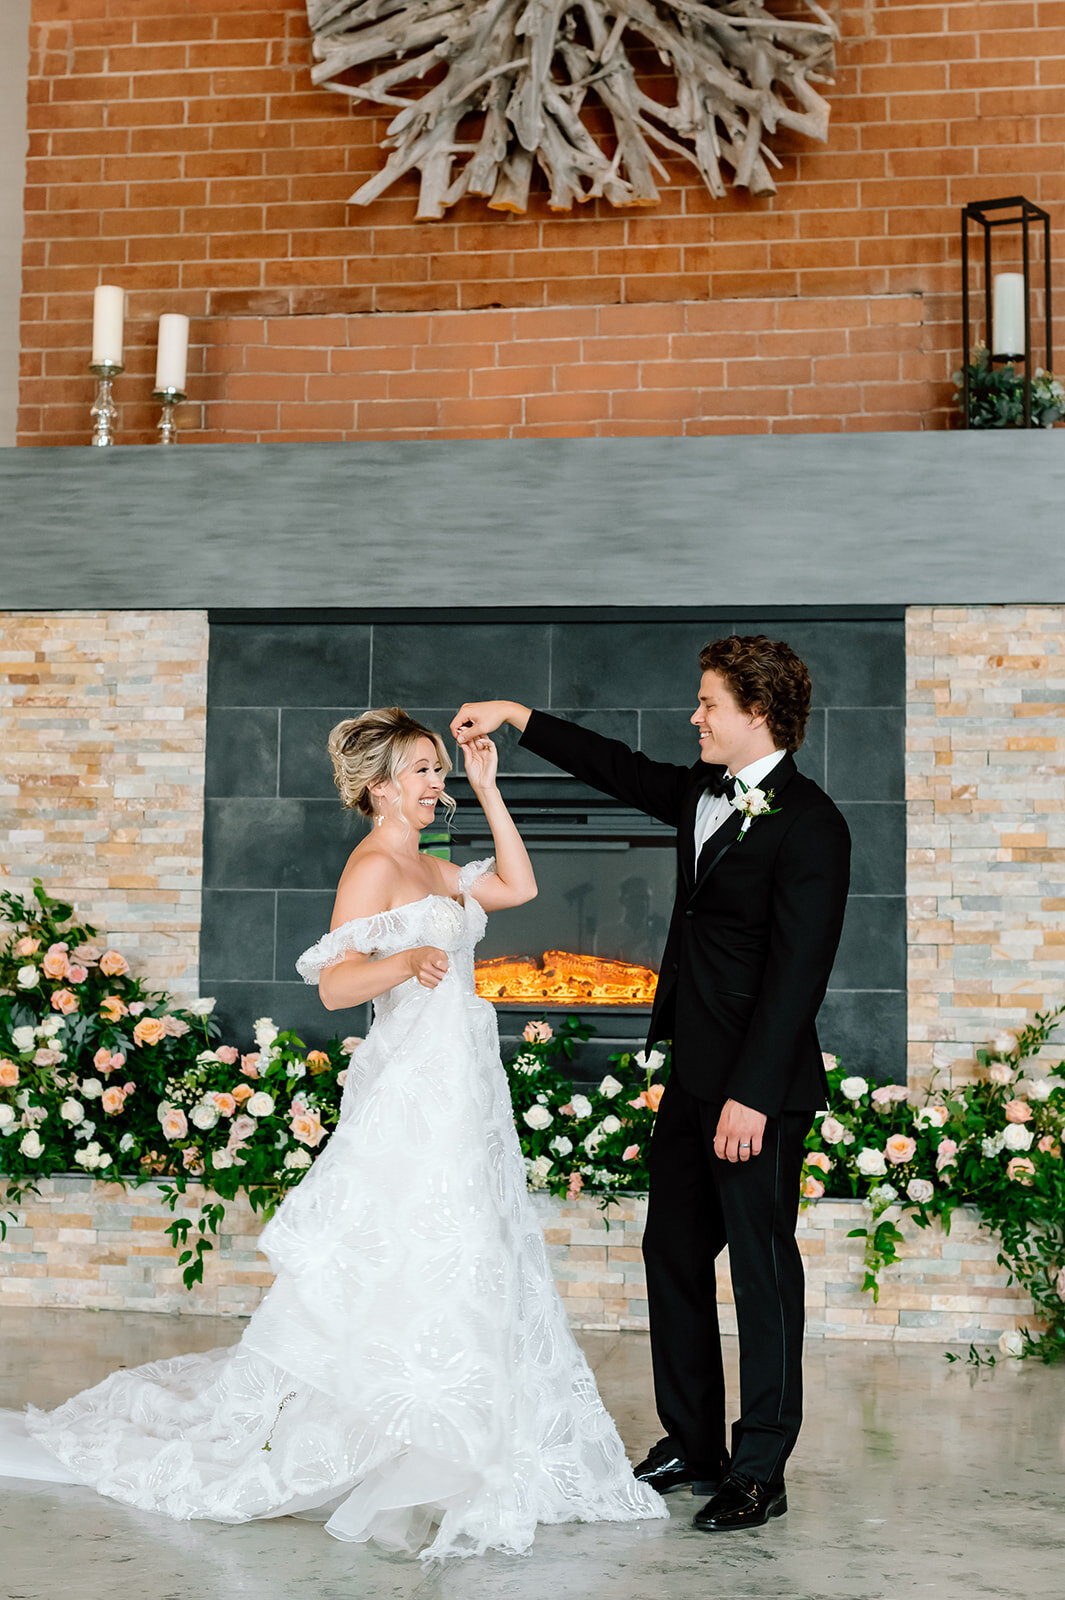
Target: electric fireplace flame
563,979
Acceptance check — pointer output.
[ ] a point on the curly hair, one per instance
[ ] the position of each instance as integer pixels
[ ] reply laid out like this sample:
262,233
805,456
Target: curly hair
764,676
375,748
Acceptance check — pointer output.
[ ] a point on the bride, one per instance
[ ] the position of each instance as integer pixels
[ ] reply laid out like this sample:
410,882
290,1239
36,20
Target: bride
410,1377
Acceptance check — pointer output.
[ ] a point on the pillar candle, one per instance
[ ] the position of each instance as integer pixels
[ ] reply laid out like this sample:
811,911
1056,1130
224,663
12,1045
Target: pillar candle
173,355
108,311
1007,320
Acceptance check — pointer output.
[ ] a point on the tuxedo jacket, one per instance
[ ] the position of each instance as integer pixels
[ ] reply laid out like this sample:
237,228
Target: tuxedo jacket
755,925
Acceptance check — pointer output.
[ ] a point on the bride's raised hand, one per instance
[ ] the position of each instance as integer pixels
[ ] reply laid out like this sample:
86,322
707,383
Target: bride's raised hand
482,761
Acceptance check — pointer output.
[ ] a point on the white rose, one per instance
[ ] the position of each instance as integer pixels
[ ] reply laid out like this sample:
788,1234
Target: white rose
1004,1043
27,976
853,1088
582,1106
592,1141
351,1043
1040,1089
85,1130
883,1194
126,1142
871,1163
203,1115
610,1125
84,1157
650,1061
265,1032
832,1131
199,1008
1000,1072
993,1144
260,1104
753,801
527,1064
92,1088
220,1159
610,1087
206,1056
561,1145
296,1069
537,1171
538,1117
23,1038
104,1160
920,1190
1017,1137
7,1116
298,1158
931,1117
49,1027
1012,1343
72,1111
31,1145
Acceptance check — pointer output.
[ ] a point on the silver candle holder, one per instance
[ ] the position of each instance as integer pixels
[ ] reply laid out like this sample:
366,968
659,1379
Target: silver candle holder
168,399
104,412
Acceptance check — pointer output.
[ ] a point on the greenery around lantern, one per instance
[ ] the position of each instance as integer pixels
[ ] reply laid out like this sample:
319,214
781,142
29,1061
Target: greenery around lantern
996,394
99,1074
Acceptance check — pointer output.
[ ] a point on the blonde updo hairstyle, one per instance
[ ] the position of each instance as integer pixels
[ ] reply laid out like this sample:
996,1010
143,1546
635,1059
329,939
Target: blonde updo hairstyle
375,748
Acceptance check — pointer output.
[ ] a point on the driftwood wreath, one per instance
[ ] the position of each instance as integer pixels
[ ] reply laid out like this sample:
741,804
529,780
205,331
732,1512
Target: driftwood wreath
485,90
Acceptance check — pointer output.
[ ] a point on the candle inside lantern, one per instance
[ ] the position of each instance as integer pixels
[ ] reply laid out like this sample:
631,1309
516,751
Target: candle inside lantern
1007,320
172,358
108,313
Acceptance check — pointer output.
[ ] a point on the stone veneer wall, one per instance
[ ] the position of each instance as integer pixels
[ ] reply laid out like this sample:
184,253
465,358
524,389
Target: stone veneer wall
85,1243
102,732
985,760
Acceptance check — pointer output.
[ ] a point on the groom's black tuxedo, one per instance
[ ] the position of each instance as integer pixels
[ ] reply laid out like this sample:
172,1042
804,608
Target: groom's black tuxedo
751,942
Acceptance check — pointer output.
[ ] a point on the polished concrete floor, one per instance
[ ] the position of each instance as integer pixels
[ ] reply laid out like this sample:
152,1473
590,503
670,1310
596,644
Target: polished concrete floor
913,1477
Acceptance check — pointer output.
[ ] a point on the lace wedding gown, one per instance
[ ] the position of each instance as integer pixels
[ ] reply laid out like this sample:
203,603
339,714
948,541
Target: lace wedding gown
410,1376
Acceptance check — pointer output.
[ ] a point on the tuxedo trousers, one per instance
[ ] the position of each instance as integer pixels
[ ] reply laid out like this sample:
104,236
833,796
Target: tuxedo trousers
697,1205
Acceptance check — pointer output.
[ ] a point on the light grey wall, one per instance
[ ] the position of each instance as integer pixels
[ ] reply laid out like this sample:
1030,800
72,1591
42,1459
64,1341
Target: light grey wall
821,520
14,67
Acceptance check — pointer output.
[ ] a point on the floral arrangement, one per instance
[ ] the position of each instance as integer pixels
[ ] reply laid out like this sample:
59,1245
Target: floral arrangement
996,394
99,1074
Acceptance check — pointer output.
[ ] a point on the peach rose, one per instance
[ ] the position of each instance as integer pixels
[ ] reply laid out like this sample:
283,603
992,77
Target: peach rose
818,1159
1018,1111
317,1061
227,1054
76,974
307,1127
26,946
55,964
1021,1170
630,1152
113,965
102,1060
64,1000
249,1065
149,1030
900,1149
112,1008
812,1188
1048,1145
576,1184
224,1103
174,1123
242,1092
192,1161
8,1073
538,1032
112,1100
652,1097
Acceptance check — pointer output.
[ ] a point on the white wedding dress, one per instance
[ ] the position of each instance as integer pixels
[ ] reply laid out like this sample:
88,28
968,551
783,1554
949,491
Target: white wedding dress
410,1377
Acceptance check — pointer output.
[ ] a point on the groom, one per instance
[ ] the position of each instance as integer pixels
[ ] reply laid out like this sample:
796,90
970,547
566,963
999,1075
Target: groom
763,861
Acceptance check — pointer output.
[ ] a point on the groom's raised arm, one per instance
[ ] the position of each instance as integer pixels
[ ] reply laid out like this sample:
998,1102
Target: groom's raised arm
656,787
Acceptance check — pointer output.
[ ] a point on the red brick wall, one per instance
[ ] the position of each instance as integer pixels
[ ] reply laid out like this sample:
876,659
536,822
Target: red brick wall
177,147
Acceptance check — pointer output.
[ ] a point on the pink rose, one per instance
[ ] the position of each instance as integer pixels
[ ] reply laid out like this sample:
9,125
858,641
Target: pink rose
102,1060
136,1007
175,1125
113,965
47,1057
307,1127
630,1153
192,1161
1021,1170
118,1060
900,1149
999,1072
113,1100
1018,1111
227,1054
538,1032
8,1073
27,946
65,1001
249,1065
243,1127
77,974
1048,1145
812,1188
87,954
576,1184
818,1159
946,1155
224,1103
174,1027
55,962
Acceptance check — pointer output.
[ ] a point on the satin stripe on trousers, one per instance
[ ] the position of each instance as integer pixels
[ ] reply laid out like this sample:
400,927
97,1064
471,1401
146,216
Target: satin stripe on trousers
697,1205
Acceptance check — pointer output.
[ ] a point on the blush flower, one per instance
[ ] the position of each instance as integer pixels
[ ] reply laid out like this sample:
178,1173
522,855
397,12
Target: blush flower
149,1030
818,1159
174,1027
227,1054
1017,1111
832,1130
76,974
225,1104
812,1188
242,1128
1020,1170
630,1152
575,1185
946,1155
47,1056
920,1190
8,1073
192,1161
174,1123
249,1065
306,1126
900,1148
112,1008
113,965
112,1100
1048,1145
64,1000
538,1032
54,962
26,946
1000,1072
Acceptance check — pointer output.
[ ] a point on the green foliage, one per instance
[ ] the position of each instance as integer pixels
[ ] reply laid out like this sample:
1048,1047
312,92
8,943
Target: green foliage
996,395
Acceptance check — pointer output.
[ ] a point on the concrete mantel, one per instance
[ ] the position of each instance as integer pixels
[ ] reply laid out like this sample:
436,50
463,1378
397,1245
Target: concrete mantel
885,519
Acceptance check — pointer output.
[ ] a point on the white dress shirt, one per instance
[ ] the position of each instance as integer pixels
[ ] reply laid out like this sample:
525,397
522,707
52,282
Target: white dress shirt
715,809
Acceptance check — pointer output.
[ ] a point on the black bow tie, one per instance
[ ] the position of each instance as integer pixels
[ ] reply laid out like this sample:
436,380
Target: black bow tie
718,784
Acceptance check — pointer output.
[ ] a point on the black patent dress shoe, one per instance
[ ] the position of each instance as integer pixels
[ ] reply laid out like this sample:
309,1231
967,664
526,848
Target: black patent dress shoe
666,1470
741,1502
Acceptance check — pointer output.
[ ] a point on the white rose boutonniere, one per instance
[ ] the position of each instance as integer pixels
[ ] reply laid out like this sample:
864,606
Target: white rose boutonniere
752,803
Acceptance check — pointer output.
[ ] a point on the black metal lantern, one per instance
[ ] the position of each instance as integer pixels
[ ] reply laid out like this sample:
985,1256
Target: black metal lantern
1014,212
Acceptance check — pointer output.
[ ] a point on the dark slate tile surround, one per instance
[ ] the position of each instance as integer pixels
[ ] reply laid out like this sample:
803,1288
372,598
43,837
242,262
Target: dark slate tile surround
276,838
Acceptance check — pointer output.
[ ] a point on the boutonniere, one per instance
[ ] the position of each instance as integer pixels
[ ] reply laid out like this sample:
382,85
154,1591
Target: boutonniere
752,803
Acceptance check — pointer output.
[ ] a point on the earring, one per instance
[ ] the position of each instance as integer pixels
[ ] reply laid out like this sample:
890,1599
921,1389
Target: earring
379,821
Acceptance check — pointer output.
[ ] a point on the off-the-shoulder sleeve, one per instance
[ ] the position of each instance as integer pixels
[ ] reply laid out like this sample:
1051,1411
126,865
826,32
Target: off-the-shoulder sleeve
359,935
473,870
